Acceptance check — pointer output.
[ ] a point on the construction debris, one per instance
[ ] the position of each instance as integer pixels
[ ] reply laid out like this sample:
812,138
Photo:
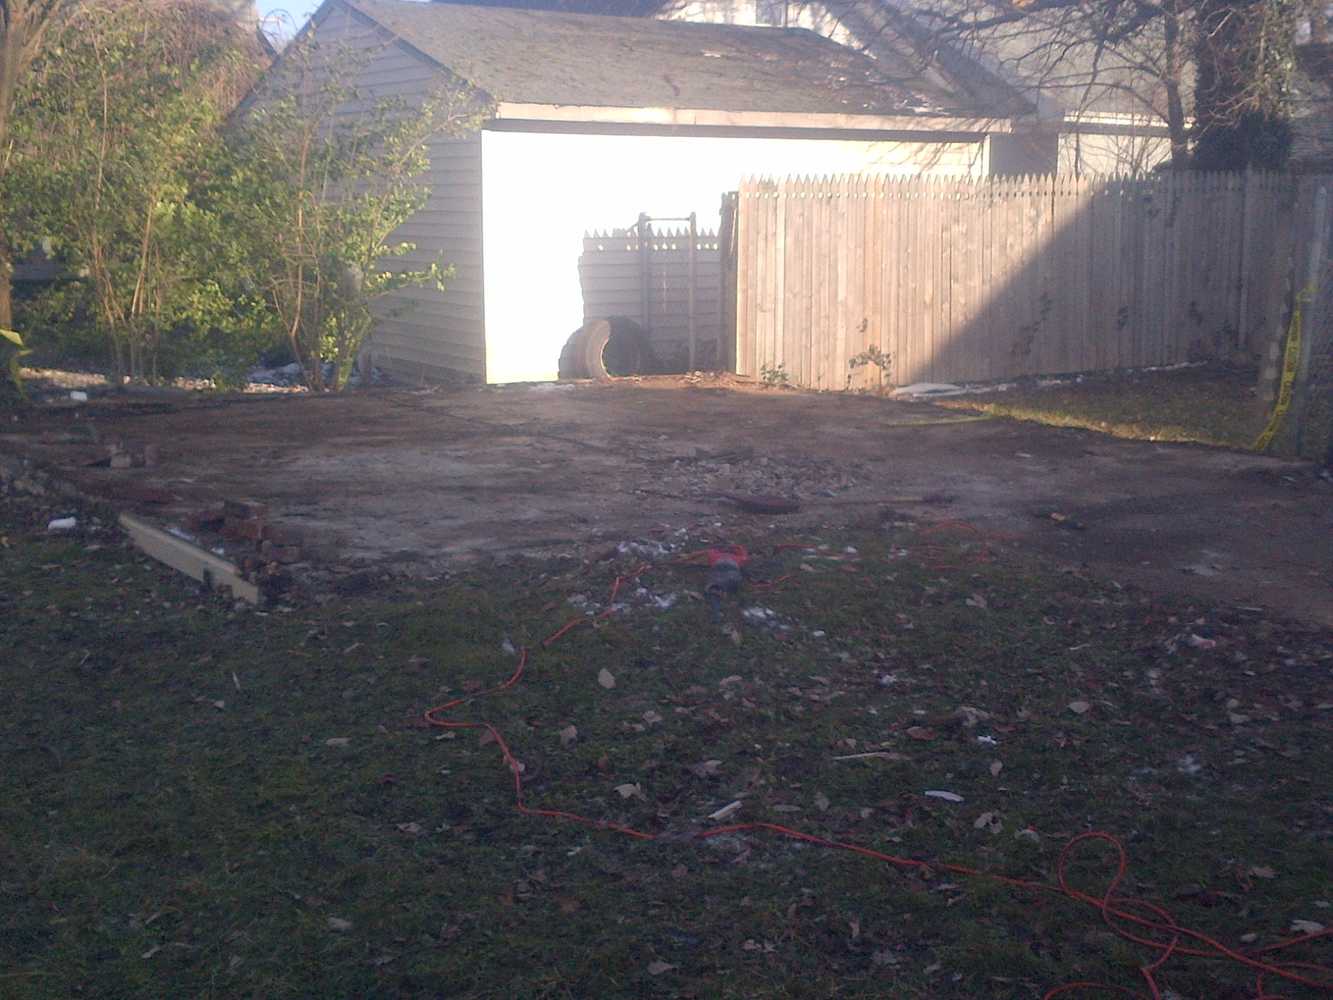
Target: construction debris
180,554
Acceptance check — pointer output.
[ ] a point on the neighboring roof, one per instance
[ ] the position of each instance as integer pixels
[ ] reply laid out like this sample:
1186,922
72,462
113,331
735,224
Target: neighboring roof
546,57
900,43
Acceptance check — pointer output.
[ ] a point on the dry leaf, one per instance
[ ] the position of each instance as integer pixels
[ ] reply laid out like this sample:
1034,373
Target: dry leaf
651,717
995,768
630,791
921,732
977,601
821,802
339,924
1079,707
659,967
988,821
338,741
1262,871
1306,926
725,812
705,768
568,736
568,904
411,828
606,679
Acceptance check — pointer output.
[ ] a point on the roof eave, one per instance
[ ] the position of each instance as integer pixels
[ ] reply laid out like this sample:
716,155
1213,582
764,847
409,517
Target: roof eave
710,118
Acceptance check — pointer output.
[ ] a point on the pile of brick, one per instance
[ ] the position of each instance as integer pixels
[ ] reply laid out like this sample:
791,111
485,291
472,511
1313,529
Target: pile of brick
121,454
245,523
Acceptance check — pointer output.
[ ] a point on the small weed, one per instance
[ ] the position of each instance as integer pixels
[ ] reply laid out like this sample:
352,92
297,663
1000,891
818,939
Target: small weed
774,376
880,359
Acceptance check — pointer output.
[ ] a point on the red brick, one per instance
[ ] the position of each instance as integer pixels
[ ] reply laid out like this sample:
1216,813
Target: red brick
244,529
208,518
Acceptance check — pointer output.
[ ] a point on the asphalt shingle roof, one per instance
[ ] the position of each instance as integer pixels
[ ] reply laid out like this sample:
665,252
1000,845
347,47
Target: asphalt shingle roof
547,57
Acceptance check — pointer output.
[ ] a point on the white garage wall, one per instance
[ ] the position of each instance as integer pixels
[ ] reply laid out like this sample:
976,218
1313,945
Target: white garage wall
543,191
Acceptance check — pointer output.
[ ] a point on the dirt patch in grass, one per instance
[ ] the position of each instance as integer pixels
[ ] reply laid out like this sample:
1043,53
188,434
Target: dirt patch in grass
423,484
202,800
1205,405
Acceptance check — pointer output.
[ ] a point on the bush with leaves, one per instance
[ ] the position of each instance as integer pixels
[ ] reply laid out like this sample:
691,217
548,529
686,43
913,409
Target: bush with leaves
318,193
124,107
14,351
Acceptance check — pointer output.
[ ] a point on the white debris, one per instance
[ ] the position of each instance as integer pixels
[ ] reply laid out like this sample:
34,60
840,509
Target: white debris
758,614
1189,764
78,395
63,524
936,793
928,389
645,549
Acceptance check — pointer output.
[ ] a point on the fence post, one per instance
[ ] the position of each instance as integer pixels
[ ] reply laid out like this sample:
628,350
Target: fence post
692,269
1243,302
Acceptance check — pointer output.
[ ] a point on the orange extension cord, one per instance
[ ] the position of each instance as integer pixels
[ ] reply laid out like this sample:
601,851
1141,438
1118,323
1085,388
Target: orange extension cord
1130,918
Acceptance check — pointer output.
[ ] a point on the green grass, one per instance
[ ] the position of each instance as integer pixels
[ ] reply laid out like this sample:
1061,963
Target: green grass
174,821
1208,405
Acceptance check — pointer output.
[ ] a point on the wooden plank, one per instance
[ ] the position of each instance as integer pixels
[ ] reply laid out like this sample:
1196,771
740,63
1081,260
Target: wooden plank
891,264
855,312
839,254
190,559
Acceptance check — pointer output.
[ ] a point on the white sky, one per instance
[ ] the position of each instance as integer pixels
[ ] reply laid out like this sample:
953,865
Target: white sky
296,10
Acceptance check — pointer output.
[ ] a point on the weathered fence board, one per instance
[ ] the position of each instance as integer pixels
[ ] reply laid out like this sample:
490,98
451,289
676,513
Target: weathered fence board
611,272
963,280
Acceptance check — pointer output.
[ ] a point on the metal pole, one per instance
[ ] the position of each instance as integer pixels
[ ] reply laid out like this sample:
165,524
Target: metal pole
645,275
693,273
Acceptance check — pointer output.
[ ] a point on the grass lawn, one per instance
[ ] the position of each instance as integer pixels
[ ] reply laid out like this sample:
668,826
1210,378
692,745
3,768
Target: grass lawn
1209,405
209,802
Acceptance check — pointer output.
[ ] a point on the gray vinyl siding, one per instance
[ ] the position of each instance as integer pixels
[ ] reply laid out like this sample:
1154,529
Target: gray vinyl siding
421,333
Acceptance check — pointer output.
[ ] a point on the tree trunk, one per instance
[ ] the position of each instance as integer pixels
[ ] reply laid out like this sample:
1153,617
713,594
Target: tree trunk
1175,106
8,86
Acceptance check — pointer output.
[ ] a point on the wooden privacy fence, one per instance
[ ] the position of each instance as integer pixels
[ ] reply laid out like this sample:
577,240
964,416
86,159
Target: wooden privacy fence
614,274
961,280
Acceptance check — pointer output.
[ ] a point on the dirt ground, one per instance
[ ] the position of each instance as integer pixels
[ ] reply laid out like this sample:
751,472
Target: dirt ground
422,481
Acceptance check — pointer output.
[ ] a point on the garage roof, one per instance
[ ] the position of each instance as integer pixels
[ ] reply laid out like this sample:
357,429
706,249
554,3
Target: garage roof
555,58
